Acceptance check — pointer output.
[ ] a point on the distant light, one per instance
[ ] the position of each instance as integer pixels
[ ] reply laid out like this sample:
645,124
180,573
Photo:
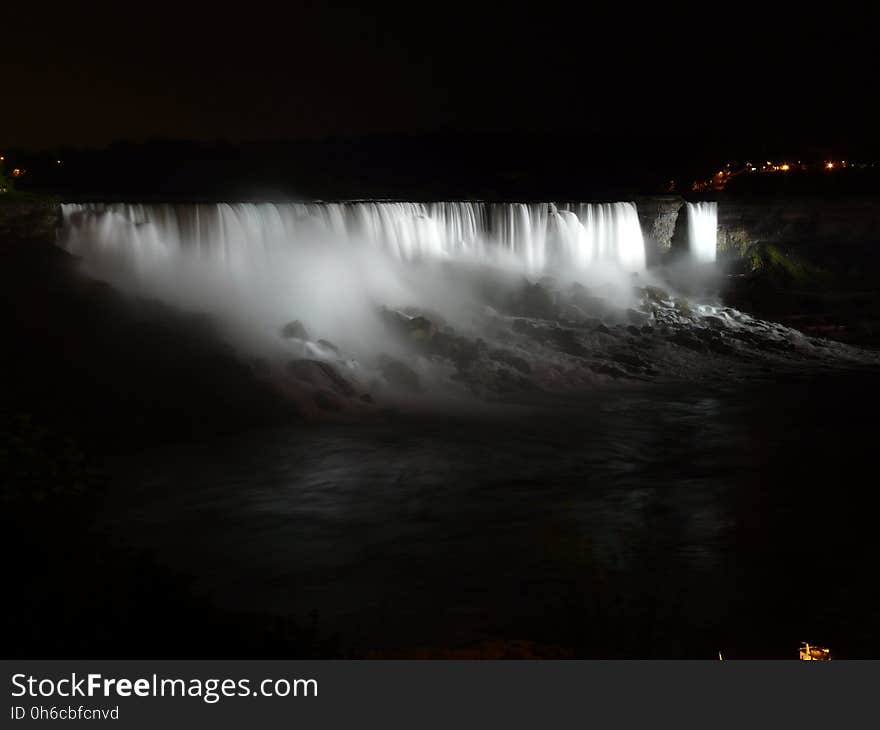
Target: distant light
785,167
829,165
814,653
58,162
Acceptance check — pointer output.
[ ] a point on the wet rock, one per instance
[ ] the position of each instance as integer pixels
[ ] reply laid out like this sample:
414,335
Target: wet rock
540,332
523,326
637,317
294,330
633,330
687,340
429,314
399,375
417,329
684,307
606,369
327,345
574,313
326,401
769,344
367,398
631,360
321,375
586,301
420,329
514,361
722,347
566,341
648,329
534,300
654,294
714,321
462,351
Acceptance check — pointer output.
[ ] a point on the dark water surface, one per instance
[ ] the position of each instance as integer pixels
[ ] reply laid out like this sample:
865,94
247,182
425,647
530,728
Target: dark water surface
640,522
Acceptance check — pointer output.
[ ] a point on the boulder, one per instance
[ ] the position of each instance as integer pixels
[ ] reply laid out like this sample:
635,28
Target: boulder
534,300
418,329
327,345
684,307
653,294
399,375
689,341
637,317
430,314
461,350
514,361
321,375
294,330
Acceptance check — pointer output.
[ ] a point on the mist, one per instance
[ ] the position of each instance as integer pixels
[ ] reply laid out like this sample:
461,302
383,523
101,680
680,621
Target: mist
337,282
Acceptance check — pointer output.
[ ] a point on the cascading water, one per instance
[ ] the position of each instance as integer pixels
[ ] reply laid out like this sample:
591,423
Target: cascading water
702,230
338,301
332,265
340,268
537,237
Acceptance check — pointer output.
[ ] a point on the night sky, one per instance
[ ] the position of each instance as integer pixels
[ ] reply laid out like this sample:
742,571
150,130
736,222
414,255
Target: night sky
89,73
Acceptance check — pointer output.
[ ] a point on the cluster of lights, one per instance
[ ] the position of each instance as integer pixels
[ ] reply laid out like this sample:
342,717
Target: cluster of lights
813,653
769,166
722,177
20,171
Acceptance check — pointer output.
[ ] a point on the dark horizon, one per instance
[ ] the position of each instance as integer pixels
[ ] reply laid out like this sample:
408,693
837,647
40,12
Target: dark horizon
423,167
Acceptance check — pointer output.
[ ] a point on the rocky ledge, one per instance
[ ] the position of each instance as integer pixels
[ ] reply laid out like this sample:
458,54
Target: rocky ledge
543,338
28,219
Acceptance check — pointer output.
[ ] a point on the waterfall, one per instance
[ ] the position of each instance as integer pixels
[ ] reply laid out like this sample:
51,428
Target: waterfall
337,267
702,230
535,236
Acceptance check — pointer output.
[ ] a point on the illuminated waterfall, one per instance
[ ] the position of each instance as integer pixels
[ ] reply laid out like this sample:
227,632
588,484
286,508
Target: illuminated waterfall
702,230
536,236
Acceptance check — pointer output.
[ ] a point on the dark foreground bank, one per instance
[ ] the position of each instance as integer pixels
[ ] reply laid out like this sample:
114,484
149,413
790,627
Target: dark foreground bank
89,375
